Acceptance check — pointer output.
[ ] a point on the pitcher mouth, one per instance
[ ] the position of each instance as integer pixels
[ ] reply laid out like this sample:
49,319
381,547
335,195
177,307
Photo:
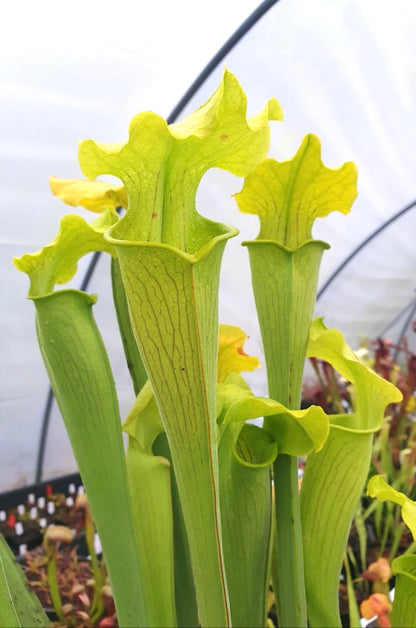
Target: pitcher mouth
225,232
324,245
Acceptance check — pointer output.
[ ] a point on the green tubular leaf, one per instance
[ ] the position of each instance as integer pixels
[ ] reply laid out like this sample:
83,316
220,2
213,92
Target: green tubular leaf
405,565
284,285
331,488
289,195
245,455
372,393
359,522
353,612
161,166
18,606
81,378
134,361
143,421
288,567
404,607
150,490
231,359
186,607
284,266
254,448
296,432
173,308
335,476
57,262
377,487
55,594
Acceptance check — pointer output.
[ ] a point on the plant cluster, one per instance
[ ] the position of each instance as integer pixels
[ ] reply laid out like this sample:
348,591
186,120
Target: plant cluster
77,588
66,570
199,530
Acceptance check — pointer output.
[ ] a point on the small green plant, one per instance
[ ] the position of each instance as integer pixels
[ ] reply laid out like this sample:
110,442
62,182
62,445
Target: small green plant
73,593
185,515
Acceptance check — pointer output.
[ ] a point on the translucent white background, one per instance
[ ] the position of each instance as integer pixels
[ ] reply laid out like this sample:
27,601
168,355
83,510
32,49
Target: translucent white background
343,70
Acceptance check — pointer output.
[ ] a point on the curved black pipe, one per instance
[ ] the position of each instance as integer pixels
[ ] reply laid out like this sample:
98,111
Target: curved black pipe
402,332
398,316
362,245
177,110
43,435
252,19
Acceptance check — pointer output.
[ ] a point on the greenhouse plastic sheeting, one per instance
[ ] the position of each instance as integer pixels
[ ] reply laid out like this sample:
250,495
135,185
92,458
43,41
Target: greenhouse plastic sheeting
343,70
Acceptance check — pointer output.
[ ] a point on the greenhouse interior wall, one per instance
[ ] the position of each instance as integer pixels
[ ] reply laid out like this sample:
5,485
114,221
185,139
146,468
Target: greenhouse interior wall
344,71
